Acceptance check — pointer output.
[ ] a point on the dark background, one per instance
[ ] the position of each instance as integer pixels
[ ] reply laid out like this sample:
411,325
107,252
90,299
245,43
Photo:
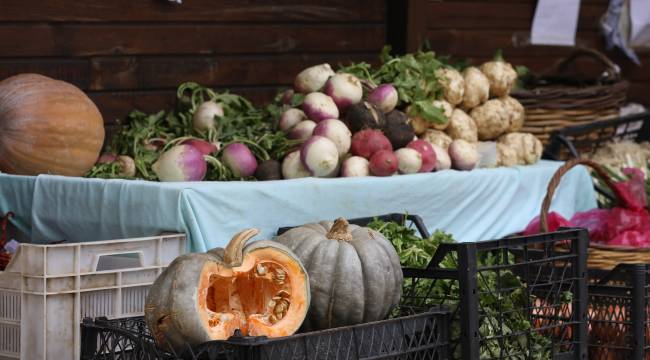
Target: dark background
130,54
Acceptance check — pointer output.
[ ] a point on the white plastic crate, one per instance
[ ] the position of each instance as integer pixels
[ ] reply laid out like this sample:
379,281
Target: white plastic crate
46,291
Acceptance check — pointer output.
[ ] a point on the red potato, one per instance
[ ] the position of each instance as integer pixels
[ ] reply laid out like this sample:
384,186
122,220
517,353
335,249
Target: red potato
383,163
367,142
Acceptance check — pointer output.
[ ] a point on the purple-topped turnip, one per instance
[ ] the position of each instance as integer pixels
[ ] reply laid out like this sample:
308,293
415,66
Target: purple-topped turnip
367,142
292,167
239,159
384,97
127,166
291,118
344,89
336,131
409,161
428,154
206,148
355,166
302,131
464,155
312,78
318,107
203,118
383,163
180,163
106,158
443,161
319,156
287,95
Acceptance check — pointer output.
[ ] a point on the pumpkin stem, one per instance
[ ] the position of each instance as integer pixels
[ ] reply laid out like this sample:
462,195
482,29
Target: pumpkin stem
339,231
234,253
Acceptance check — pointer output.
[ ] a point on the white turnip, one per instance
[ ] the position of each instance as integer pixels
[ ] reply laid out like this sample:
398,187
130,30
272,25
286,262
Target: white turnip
203,118
180,163
318,107
319,156
355,166
366,142
344,89
426,151
383,163
239,159
292,167
313,78
336,131
291,118
409,161
302,131
384,97
463,154
443,161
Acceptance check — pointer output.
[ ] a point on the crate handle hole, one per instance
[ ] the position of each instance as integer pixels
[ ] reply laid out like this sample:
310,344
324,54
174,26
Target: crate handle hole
119,261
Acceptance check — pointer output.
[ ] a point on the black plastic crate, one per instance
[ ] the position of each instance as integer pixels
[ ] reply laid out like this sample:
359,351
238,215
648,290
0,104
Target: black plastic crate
576,141
421,336
550,268
619,313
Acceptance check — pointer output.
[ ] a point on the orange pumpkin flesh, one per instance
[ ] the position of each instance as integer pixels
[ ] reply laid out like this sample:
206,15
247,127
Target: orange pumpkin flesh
256,297
261,289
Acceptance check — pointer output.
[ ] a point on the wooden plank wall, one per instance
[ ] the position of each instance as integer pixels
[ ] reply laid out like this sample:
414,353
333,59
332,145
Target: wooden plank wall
133,53
474,29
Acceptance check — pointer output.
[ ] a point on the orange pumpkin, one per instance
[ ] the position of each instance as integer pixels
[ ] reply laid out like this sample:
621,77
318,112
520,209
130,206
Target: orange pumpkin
47,126
260,288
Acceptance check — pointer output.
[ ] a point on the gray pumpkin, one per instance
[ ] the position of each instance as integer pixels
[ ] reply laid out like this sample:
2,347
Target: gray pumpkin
261,289
354,272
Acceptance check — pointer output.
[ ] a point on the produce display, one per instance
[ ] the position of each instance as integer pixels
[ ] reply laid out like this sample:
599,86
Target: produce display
261,289
357,121
48,126
354,273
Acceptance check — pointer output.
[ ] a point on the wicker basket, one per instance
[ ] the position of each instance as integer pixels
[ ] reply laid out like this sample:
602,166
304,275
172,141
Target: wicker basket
555,101
600,256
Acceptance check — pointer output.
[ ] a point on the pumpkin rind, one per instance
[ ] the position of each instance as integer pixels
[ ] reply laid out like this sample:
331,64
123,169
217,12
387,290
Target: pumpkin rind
352,281
48,127
183,306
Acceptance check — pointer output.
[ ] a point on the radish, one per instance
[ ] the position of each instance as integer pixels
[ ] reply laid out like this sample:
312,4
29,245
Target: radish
367,142
287,95
344,89
319,106
290,118
443,161
154,144
106,158
364,115
239,159
428,154
384,97
180,163
313,78
355,166
397,129
206,148
203,118
336,131
383,163
409,161
269,170
127,166
302,131
463,154
292,167
319,156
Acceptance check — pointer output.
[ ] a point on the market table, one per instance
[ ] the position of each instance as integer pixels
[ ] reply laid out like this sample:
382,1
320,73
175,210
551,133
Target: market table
477,205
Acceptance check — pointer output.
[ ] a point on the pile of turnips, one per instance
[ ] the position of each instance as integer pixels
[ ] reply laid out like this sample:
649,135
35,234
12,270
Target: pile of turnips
351,127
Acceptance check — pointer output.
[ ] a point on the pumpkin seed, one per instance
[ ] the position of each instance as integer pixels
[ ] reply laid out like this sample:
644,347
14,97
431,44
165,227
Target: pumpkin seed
273,319
280,275
284,294
261,270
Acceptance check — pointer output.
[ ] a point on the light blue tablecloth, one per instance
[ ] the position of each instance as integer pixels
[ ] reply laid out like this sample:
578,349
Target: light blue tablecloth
477,205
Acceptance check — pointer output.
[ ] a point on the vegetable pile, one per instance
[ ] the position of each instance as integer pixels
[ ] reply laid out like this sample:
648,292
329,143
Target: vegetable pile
503,314
413,114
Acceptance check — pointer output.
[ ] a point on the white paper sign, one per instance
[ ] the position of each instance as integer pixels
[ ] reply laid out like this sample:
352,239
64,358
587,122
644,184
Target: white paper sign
640,18
555,22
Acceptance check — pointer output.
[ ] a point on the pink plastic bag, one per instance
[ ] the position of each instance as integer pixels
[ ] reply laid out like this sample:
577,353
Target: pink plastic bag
554,221
631,193
595,221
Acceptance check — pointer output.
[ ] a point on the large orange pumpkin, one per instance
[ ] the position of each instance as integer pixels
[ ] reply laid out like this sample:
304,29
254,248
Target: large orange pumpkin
47,126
